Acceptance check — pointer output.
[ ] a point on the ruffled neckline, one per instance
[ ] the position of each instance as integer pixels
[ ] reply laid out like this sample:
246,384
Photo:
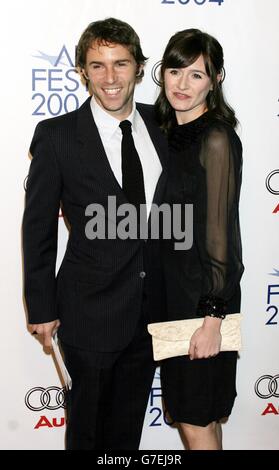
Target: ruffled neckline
183,135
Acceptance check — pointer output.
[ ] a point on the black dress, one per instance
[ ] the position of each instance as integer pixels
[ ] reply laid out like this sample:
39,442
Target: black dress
205,171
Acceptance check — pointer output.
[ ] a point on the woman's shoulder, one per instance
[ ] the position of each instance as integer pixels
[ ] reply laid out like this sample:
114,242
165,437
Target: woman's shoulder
218,132
206,129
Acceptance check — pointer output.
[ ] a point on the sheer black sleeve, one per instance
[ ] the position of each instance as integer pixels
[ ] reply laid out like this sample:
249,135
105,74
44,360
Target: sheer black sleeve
221,158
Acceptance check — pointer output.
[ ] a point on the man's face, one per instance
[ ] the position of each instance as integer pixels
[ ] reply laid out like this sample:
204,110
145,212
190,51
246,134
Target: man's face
111,70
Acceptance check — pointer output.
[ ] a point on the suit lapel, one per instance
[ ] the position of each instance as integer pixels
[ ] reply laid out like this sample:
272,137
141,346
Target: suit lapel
93,155
94,159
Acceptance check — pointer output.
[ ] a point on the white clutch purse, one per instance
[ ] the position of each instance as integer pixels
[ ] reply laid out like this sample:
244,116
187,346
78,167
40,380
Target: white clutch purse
172,338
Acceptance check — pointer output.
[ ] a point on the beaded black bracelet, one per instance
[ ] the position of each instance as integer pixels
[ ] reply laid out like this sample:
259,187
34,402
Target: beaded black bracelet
212,307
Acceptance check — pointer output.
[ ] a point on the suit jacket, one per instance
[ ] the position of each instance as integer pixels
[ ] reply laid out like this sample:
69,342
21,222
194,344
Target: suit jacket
99,288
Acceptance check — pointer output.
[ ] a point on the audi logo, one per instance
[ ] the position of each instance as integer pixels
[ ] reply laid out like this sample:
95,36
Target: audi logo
50,398
271,189
25,183
267,386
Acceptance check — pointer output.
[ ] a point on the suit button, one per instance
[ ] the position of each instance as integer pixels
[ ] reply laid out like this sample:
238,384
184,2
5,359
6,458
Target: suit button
142,274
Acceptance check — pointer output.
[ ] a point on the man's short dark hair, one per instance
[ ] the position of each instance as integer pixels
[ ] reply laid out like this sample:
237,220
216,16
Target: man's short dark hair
109,31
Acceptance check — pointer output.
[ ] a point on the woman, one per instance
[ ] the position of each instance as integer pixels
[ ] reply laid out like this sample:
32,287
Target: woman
205,171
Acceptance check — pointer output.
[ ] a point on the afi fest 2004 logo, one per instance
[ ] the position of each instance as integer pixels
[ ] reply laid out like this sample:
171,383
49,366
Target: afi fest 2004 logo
157,415
272,299
56,86
192,2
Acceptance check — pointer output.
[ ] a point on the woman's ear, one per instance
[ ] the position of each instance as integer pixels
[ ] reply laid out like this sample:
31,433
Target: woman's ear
219,77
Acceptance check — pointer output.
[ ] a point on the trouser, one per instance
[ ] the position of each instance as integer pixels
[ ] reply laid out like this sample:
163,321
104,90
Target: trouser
106,405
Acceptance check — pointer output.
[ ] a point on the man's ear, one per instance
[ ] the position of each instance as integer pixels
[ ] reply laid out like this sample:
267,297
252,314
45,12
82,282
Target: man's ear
139,72
83,72
83,76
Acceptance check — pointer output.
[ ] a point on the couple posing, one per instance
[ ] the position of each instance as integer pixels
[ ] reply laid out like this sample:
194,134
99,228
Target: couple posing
182,151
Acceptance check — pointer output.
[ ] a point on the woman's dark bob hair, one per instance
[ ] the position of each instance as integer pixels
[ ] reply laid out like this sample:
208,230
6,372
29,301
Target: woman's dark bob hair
183,49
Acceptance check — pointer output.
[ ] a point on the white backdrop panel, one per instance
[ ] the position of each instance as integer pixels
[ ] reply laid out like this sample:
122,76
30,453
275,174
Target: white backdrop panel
32,36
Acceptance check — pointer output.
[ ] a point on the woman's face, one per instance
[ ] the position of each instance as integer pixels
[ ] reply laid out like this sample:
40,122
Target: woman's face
186,89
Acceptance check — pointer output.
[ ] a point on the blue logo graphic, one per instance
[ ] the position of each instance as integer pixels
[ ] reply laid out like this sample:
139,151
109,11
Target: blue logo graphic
56,86
157,414
272,308
276,272
53,59
187,2
157,374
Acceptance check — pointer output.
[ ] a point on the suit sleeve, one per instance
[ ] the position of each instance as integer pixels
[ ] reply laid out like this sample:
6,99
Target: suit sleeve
40,226
221,258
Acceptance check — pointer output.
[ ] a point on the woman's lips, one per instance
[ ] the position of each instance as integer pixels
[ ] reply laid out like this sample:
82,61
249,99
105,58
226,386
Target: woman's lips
182,96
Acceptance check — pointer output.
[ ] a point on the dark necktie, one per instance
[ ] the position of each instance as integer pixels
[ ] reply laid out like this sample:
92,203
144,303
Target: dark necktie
132,175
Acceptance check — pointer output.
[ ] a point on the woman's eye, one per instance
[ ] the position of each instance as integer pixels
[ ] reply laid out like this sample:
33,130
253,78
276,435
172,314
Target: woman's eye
197,75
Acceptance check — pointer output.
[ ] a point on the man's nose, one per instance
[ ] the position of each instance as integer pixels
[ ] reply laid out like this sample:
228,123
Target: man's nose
110,75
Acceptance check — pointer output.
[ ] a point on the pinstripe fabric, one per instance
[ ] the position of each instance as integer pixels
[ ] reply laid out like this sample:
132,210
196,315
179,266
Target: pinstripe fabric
97,293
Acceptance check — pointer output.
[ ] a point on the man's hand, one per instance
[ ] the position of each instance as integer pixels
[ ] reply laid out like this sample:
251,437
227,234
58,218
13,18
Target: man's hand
206,341
45,330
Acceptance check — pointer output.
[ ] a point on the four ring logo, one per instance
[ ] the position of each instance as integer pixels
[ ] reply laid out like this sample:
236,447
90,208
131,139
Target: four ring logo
267,386
50,398
272,182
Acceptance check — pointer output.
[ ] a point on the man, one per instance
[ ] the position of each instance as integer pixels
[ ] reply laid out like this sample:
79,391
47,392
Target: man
108,288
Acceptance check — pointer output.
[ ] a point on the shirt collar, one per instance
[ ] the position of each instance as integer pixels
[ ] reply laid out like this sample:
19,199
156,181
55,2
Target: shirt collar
107,124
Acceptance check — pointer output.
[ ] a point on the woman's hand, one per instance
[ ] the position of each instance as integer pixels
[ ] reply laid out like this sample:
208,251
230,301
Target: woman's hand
206,341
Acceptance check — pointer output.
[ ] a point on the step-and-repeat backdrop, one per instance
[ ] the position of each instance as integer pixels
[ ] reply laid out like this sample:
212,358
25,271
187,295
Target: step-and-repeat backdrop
38,80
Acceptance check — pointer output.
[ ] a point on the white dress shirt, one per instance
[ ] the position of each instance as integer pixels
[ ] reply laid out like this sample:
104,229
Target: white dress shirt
111,136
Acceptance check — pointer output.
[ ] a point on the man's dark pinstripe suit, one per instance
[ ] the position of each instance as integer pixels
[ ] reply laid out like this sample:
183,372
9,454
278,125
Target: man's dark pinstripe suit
100,289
